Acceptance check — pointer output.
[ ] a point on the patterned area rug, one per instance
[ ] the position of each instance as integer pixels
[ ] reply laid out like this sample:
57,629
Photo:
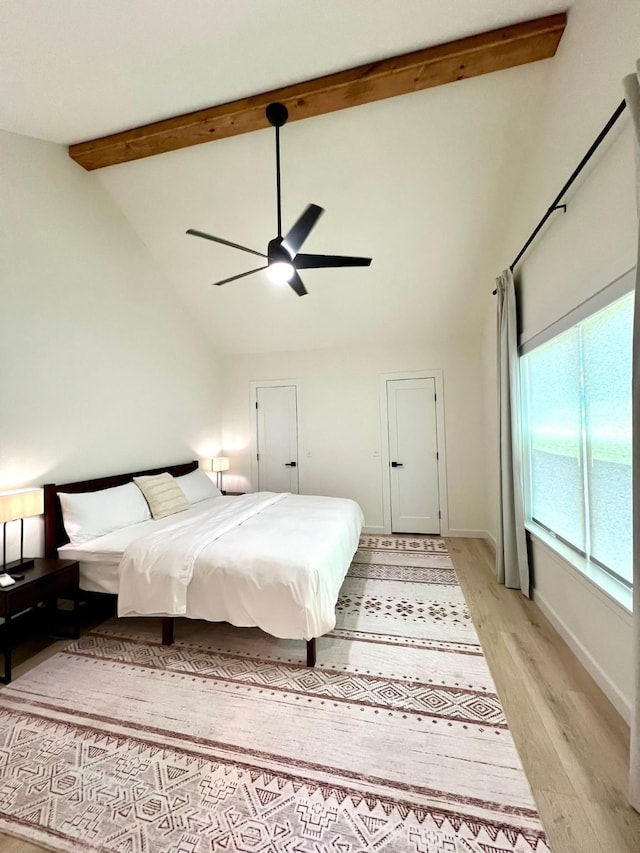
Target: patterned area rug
396,741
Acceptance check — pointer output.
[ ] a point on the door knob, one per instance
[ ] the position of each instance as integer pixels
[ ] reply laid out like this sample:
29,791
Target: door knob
290,464
397,465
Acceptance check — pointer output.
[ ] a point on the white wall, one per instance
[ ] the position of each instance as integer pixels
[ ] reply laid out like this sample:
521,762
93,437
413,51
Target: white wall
340,421
101,370
576,255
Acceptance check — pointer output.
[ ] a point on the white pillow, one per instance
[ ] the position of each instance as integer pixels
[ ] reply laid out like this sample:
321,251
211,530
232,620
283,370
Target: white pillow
197,486
87,515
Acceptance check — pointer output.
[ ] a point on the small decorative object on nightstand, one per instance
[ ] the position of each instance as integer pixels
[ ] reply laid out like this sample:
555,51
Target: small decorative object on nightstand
47,581
14,506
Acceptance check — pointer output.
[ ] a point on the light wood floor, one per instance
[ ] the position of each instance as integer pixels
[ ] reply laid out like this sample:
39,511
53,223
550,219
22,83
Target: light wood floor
573,744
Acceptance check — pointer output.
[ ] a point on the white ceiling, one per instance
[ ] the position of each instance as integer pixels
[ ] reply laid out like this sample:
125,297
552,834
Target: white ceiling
421,182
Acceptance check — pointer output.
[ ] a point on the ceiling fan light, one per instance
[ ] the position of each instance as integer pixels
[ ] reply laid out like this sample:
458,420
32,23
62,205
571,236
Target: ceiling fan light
280,272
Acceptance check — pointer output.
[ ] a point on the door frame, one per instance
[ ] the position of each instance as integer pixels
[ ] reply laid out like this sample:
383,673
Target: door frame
436,375
253,399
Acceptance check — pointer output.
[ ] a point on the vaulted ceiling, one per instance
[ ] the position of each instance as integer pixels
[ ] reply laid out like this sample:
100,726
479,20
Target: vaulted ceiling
422,182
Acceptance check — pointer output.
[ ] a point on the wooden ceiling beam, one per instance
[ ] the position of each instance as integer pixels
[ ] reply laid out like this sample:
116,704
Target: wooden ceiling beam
497,50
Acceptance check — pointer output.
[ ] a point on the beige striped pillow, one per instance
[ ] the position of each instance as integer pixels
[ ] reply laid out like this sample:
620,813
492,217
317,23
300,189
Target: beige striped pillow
163,494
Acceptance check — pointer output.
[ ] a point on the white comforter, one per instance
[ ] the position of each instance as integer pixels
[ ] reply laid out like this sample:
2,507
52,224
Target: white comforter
276,561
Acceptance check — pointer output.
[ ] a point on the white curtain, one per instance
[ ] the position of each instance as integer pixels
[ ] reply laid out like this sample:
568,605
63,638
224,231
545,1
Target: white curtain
512,565
632,95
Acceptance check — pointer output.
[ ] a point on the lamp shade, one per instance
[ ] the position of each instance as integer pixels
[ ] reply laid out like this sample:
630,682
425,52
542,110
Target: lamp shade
21,504
220,463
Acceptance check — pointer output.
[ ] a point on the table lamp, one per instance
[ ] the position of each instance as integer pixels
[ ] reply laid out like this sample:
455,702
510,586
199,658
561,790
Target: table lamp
219,464
14,506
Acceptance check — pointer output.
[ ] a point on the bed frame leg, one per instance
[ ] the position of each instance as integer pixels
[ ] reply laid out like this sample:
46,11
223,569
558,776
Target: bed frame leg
311,652
167,630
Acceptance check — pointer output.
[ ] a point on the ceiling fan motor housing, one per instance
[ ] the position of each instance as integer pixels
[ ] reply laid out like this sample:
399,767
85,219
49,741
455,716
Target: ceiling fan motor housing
277,252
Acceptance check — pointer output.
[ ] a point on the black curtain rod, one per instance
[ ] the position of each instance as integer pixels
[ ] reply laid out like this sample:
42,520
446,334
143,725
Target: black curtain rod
555,204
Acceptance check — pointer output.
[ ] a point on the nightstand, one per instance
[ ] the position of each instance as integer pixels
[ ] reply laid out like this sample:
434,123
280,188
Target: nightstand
233,494
45,582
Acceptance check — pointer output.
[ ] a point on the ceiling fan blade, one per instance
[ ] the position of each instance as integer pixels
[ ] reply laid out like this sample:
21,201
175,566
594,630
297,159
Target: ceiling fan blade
242,275
293,240
314,262
297,285
195,233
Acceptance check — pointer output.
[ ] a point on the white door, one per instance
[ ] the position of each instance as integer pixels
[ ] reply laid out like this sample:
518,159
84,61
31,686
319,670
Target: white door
413,456
277,425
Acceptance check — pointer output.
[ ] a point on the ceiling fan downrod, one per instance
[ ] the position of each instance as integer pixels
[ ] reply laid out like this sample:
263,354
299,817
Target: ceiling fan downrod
277,115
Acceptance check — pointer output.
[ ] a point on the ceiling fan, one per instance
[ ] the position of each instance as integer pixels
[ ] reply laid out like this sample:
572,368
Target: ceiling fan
283,253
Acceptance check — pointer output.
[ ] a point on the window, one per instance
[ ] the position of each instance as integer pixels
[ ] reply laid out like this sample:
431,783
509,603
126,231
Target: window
577,437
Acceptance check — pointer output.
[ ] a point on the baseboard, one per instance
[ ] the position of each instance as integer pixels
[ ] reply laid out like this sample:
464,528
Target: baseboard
468,534
462,534
491,539
617,699
379,529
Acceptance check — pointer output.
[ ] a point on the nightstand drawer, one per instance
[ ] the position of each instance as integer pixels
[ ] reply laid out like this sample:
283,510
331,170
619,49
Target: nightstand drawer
47,587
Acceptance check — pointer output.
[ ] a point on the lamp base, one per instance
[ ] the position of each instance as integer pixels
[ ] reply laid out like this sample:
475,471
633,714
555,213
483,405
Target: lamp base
17,565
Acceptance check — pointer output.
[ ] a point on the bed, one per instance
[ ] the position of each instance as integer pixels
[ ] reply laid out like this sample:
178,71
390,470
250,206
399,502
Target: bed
264,560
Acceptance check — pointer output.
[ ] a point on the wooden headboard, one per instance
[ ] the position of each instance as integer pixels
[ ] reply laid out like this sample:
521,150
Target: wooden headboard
54,532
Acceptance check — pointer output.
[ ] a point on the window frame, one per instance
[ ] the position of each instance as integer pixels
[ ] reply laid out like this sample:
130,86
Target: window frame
590,567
